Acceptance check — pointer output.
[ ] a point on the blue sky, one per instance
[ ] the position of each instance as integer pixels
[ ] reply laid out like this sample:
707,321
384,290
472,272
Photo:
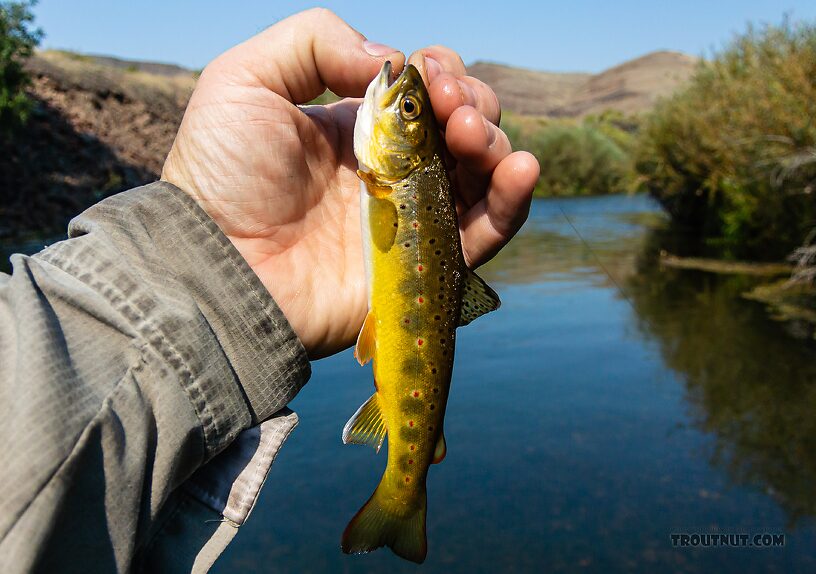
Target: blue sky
577,35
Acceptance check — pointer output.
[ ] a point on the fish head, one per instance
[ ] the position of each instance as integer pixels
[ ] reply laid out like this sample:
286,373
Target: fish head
396,130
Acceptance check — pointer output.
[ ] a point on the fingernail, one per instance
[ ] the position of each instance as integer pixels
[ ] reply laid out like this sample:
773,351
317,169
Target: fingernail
376,49
490,129
432,68
468,94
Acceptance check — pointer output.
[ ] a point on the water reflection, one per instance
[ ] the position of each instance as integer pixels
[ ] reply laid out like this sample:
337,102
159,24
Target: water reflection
749,382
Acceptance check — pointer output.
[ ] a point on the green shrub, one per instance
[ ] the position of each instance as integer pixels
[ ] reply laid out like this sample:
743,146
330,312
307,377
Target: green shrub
732,155
576,158
17,42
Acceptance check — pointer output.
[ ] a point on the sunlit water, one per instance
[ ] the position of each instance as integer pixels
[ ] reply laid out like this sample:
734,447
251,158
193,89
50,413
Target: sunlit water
608,404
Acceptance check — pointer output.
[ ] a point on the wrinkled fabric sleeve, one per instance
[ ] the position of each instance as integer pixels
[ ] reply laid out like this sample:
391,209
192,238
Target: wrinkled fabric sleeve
130,355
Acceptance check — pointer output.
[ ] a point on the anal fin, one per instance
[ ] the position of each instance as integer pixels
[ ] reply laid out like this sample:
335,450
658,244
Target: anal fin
441,450
477,298
366,340
366,425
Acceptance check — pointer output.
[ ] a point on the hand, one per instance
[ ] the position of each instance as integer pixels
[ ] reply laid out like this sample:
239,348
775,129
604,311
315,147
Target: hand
280,180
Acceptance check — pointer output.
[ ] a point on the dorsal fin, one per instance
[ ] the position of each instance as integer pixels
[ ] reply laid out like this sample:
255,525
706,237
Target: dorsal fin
477,298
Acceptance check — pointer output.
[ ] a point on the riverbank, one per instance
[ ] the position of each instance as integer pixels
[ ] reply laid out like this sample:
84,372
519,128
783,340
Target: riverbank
785,300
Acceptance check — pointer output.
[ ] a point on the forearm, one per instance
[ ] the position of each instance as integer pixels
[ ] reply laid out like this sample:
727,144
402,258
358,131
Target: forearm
131,354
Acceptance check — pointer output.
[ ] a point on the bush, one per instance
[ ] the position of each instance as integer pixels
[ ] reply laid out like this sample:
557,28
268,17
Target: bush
17,42
577,158
732,155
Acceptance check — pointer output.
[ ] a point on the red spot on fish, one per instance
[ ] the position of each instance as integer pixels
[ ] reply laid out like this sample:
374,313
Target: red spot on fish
416,394
420,342
410,461
416,224
413,447
421,300
420,268
407,321
407,479
410,423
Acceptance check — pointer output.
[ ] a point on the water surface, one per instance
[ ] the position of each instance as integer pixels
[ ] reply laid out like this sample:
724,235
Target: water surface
608,404
585,425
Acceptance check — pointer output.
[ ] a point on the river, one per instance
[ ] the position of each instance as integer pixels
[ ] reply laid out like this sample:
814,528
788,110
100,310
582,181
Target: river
608,404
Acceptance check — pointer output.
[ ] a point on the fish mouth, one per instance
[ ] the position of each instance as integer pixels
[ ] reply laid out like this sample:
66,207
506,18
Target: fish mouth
385,81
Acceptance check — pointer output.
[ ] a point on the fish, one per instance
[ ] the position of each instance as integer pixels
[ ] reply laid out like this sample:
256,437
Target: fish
419,291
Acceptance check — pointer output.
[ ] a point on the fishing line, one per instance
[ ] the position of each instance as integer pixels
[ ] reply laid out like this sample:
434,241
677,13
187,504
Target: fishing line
598,259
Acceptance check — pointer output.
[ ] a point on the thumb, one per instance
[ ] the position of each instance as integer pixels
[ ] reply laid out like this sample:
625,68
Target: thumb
301,56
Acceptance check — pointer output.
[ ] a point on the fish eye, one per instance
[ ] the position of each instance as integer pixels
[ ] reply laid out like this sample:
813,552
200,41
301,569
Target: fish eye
410,108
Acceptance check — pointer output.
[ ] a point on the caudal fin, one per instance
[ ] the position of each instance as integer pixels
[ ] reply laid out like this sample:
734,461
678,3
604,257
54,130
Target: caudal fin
375,525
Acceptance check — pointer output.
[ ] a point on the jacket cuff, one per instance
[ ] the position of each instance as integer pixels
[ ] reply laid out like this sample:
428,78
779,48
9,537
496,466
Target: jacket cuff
266,355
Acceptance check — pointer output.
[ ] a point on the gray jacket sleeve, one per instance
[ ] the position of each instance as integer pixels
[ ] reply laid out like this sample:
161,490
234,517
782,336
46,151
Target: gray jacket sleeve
130,355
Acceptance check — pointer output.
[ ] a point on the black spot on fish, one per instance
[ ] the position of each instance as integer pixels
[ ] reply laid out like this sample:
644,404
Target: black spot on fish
436,220
428,208
407,244
437,252
437,317
432,407
432,241
435,389
402,206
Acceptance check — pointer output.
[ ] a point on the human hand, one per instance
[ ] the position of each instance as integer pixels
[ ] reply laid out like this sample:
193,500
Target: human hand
280,180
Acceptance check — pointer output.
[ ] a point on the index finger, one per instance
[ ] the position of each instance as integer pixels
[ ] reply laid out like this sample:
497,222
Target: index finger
450,87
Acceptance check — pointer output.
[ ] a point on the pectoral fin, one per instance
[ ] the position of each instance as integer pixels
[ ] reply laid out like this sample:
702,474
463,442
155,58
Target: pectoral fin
374,186
477,298
441,450
366,425
366,340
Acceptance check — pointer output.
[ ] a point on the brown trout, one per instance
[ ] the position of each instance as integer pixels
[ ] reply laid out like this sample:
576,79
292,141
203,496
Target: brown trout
419,291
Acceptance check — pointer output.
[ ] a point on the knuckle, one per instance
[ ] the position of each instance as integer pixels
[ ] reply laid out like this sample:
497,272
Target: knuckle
320,13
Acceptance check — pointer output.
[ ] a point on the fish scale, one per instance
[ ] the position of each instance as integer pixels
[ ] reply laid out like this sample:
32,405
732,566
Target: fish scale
420,290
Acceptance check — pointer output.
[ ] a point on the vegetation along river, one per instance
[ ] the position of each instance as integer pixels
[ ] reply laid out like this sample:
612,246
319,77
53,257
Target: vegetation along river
609,403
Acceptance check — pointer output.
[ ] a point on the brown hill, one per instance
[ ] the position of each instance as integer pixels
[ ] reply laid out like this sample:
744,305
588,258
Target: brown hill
101,125
96,129
631,87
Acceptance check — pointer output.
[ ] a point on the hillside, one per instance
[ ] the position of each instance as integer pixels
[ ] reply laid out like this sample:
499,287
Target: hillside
102,125
97,128
631,87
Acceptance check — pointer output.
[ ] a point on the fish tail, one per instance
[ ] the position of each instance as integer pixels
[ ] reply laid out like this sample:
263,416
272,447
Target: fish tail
379,523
